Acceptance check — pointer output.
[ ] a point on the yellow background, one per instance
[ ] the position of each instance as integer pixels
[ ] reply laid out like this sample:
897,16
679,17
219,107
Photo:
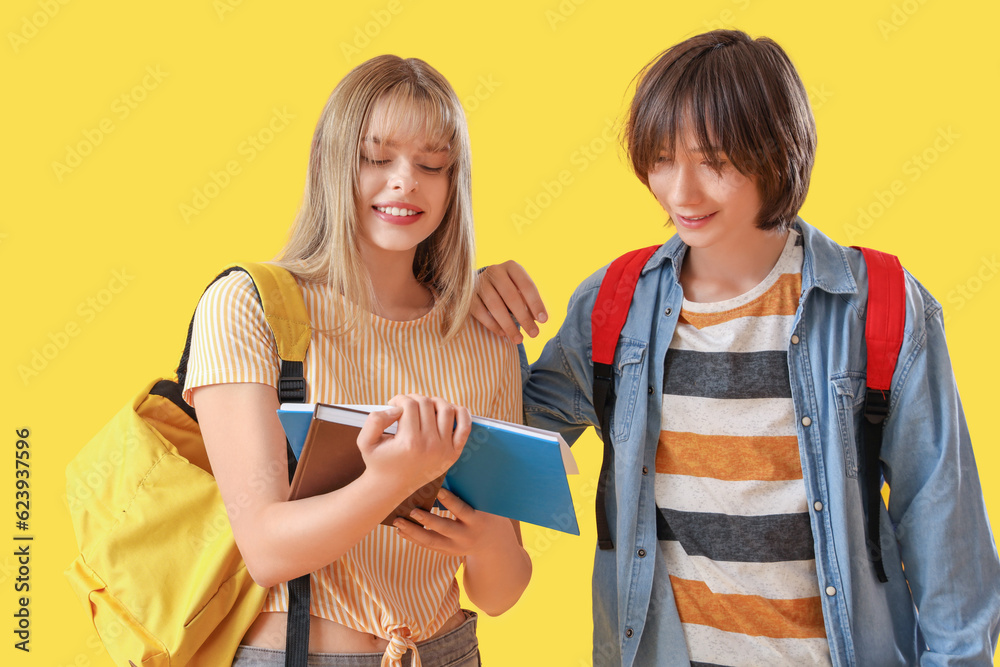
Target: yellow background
891,81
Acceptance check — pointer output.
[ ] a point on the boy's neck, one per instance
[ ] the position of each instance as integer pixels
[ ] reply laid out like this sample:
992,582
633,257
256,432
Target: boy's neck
727,270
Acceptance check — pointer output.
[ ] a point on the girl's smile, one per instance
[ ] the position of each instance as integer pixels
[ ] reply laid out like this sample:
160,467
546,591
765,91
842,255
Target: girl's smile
398,213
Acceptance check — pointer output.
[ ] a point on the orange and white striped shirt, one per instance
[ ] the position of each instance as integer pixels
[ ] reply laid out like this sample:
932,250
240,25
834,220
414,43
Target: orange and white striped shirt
384,585
732,517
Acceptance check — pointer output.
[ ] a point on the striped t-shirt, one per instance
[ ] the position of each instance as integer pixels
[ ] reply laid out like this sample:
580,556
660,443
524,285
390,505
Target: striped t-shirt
732,515
384,585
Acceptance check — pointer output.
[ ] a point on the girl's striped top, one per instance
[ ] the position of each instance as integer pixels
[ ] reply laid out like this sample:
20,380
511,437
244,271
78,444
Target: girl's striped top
732,516
384,585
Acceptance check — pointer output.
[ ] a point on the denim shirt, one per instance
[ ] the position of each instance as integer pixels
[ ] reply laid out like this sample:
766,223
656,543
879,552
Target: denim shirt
935,523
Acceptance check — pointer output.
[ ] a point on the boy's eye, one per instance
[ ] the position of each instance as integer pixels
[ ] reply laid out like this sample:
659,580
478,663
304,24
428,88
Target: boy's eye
431,170
374,161
718,165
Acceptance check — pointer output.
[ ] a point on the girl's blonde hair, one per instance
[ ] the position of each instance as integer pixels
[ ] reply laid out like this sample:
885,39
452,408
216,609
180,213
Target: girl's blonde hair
416,102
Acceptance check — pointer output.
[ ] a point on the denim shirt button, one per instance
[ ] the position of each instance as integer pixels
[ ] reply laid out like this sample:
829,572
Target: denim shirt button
795,340
831,591
628,632
650,390
806,421
818,506
668,311
645,470
641,553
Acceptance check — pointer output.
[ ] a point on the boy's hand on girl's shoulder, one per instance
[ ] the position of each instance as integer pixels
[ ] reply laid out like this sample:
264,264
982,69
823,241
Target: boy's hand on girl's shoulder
430,436
505,296
469,533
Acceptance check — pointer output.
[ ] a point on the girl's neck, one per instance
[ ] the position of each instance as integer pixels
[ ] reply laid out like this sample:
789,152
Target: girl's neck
731,268
398,294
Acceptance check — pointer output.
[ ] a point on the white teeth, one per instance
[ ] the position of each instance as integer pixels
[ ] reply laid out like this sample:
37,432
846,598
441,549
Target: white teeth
392,210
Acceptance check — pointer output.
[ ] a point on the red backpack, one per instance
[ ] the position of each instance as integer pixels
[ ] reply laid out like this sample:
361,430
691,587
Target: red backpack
883,338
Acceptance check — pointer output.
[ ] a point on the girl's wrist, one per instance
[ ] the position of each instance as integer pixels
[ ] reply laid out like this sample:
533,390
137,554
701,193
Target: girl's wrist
385,486
500,547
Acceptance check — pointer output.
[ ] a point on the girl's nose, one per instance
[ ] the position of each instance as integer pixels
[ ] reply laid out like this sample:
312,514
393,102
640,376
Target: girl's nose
403,177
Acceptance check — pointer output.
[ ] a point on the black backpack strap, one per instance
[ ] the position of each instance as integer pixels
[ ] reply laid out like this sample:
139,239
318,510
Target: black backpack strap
604,405
292,389
876,410
606,321
884,322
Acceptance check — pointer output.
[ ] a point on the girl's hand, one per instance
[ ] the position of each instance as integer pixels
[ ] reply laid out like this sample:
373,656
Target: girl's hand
506,296
429,438
471,532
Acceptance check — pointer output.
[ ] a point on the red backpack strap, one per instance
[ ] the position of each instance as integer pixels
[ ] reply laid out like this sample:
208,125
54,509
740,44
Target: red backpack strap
886,316
606,321
884,321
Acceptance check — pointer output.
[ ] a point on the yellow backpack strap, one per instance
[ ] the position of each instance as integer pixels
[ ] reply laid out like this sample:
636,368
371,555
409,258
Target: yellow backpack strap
284,309
285,313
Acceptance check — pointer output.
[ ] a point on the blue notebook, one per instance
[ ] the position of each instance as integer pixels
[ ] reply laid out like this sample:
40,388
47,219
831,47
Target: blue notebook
507,469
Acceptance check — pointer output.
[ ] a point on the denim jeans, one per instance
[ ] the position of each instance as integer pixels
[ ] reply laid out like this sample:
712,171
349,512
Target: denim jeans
458,648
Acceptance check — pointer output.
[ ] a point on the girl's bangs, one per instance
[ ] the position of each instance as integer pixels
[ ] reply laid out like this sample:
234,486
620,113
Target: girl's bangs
406,113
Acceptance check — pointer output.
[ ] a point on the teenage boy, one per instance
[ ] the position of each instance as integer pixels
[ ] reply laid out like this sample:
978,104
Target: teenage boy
735,503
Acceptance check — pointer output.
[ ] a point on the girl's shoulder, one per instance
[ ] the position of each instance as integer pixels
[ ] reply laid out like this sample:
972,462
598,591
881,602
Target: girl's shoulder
229,295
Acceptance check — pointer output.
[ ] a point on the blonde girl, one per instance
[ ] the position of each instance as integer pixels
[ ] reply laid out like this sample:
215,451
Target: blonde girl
382,249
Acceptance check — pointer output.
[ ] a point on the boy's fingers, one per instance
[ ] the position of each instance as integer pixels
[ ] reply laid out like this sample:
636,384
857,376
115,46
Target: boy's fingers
513,299
529,292
484,316
493,301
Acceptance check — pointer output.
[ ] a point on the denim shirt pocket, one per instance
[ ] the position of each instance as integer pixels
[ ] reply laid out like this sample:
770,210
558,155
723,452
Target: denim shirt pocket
849,393
628,380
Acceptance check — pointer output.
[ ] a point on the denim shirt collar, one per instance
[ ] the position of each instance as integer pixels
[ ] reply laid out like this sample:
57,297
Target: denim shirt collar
825,265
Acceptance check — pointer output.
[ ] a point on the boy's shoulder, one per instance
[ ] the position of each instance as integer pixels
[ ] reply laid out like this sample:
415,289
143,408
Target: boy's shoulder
841,271
842,277
657,257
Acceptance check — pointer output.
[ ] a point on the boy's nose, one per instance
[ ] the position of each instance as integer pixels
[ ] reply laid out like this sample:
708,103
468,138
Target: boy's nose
685,188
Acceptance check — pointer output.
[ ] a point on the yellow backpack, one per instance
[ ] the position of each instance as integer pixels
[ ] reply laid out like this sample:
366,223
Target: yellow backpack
158,568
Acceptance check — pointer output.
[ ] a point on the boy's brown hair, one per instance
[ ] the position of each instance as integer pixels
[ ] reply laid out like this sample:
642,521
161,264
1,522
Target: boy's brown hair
747,104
